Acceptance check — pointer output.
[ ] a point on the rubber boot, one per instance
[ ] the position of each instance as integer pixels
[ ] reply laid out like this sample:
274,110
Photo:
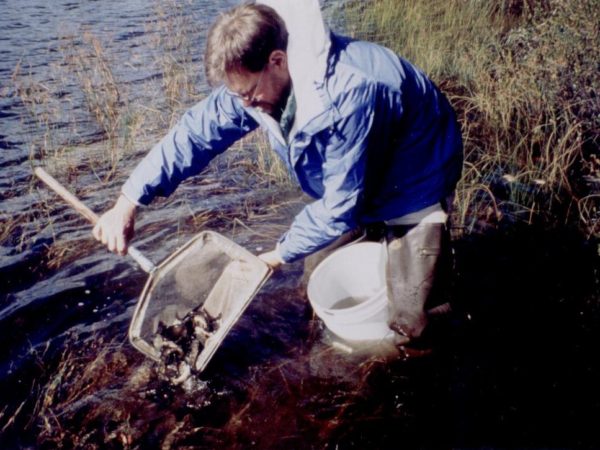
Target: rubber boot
414,257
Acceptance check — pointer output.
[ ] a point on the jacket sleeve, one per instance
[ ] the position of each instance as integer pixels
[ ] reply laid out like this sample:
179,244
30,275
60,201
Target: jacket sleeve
343,171
204,131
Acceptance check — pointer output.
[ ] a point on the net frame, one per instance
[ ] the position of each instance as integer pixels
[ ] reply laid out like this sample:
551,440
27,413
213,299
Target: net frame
229,294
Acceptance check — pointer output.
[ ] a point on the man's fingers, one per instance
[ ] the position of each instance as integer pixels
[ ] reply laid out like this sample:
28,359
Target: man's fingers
115,227
114,240
272,259
96,232
112,244
121,245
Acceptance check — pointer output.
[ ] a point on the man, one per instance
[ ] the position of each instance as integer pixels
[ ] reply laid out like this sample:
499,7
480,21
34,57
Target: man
362,130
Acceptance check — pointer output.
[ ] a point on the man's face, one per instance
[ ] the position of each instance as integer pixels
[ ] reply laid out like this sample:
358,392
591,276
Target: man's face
266,90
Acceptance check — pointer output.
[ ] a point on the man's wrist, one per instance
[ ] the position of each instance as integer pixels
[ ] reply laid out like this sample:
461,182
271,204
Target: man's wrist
125,204
278,254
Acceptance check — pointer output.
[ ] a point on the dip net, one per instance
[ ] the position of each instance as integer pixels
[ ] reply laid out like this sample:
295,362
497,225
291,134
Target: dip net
192,300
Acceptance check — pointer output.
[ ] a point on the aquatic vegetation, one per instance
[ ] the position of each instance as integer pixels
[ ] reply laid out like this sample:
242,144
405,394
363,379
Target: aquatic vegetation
88,62
260,164
174,33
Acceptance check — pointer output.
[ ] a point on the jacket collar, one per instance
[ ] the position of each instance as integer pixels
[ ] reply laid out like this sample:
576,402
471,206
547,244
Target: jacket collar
309,43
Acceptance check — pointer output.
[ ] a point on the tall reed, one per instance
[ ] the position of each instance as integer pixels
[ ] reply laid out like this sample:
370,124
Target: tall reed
91,66
87,61
522,76
174,40
261,163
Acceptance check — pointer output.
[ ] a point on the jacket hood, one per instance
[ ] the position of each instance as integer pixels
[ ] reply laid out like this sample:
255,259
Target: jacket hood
307,52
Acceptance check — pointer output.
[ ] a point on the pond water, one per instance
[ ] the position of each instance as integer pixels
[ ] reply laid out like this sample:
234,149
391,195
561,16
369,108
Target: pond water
515,366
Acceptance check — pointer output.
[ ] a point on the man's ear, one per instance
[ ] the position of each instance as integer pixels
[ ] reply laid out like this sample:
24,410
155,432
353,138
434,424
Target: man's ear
278,58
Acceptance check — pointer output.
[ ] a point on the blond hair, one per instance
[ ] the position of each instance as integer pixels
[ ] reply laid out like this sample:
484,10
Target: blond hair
242,39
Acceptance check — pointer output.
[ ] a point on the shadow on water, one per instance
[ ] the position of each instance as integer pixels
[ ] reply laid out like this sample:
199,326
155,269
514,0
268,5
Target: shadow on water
515,367
525,374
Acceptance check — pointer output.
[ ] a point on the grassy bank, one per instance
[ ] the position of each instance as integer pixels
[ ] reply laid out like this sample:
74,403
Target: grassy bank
523,77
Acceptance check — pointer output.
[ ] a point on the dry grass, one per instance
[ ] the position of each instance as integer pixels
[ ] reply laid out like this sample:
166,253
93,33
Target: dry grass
174,41
86,73
88,67
81,389
264,167
43,108
85,69
522,76
18,229
91,66
8,226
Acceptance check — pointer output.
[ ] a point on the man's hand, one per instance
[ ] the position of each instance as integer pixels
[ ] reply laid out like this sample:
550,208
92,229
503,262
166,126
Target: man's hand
272,259
115,228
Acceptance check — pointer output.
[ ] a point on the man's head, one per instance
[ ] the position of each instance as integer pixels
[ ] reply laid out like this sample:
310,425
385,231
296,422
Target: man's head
246,50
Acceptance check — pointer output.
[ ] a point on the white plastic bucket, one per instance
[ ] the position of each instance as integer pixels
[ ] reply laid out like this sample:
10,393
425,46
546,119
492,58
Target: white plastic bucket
347,290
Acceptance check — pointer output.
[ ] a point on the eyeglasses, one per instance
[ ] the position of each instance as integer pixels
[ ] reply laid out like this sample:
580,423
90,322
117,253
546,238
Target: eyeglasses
250,94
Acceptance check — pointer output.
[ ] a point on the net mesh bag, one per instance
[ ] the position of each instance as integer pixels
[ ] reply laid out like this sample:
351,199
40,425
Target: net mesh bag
192,299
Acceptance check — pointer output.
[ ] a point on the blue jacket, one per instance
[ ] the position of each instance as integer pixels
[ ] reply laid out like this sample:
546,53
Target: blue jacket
381,143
